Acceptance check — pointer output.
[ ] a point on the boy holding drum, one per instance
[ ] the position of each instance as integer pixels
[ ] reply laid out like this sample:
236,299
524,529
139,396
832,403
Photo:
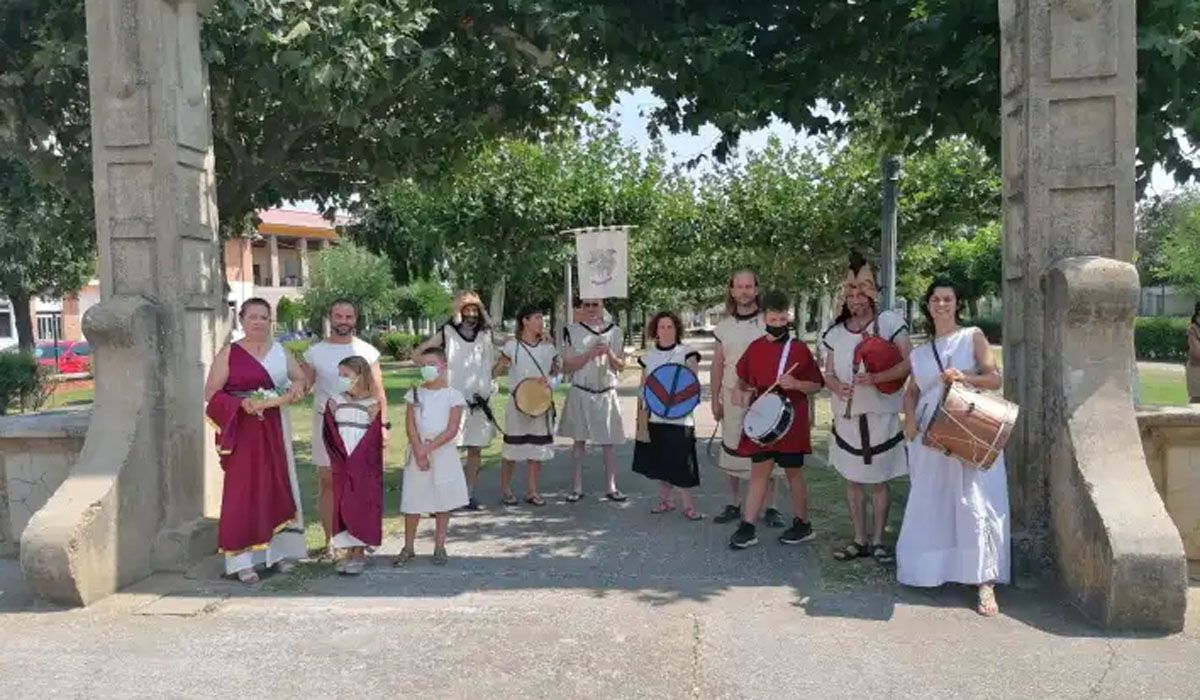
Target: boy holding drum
775,376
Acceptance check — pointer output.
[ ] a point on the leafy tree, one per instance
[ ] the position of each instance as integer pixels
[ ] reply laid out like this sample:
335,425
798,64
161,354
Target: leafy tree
972,259
46,244
288,313
311,100
910,71
350,272
1176,224
424,299
1157,218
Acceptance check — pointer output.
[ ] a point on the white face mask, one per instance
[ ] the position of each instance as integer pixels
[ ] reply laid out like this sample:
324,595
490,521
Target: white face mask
345,384
430,372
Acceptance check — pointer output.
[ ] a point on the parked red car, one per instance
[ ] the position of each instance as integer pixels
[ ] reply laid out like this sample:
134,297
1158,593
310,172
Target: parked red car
69,356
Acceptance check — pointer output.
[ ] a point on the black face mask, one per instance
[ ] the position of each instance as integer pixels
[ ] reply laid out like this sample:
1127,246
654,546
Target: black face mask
778,332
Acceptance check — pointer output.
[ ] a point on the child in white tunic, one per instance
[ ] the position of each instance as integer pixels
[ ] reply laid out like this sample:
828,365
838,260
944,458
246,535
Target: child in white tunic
433,477
527,438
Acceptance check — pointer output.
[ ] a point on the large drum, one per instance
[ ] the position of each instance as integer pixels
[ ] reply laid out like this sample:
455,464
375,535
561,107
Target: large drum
533,397
768,418
971,425
672,391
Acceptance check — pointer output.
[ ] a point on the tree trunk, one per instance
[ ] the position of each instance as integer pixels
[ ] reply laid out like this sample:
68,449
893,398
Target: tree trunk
497,310
21,313
973,308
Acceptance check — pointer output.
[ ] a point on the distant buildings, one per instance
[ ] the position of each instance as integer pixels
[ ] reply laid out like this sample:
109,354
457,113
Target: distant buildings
272,264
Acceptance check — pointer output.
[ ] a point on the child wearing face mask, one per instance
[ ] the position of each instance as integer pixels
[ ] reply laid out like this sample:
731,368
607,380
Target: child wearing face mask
433,477
353,435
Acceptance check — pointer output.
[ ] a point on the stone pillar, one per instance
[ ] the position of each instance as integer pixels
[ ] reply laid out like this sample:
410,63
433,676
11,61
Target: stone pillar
273,247
1068,70
302,249
137,499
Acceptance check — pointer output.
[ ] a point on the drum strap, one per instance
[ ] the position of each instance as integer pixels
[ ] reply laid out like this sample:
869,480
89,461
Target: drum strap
478,403
783,357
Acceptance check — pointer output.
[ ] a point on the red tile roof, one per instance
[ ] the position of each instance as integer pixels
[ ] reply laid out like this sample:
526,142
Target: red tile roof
299,219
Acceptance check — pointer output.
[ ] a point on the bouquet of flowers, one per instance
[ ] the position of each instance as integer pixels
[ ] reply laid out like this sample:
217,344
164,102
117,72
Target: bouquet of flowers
266,396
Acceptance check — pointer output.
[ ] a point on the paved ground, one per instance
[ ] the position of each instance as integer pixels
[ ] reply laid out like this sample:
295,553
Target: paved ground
593,600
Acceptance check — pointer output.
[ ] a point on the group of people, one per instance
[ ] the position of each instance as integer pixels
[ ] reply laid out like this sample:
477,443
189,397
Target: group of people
955,526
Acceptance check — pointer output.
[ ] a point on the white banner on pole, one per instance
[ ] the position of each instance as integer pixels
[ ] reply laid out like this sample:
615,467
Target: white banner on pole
603,257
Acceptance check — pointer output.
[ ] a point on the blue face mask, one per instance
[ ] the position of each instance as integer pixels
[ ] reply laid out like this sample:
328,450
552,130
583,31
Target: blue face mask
430,372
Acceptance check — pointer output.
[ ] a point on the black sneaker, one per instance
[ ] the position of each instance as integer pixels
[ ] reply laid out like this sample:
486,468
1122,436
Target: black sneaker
728,515
743,537
773,518
473,504
800,531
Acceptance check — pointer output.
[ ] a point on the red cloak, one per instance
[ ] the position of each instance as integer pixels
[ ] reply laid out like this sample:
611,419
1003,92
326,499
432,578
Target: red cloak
357,481
758,367
256,500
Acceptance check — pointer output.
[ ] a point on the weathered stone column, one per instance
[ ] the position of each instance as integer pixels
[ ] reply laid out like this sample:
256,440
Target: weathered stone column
1068,107
137,498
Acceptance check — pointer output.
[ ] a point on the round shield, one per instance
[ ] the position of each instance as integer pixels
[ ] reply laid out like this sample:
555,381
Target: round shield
672,391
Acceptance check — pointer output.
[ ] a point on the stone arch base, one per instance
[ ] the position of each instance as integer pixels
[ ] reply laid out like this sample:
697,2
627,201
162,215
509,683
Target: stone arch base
1118,551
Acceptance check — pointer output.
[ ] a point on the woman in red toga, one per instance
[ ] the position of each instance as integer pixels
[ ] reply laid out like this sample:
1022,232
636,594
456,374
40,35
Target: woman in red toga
249,385
777,356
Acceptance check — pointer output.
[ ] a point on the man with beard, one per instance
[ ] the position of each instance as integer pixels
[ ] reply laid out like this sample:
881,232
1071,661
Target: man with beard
471,351
742,325
321,367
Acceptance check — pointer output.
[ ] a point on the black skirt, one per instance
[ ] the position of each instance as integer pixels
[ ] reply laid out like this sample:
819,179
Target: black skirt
670,455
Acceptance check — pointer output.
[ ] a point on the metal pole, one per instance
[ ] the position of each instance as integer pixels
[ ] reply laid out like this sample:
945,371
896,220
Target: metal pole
888,246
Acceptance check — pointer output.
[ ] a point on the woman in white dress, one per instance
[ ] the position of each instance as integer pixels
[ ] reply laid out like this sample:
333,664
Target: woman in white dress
433,478
527,438
956,526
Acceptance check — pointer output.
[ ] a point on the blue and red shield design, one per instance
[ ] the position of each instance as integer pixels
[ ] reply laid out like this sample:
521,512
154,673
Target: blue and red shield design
672,391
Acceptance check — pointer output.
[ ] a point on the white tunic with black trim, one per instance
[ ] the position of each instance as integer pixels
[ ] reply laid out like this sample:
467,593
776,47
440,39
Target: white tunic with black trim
469,361
867,447
734,333
526,437
592,411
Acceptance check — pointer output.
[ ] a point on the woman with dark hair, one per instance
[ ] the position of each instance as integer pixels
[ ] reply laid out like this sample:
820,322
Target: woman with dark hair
956,527
251,380
665,450
530,355
1193,362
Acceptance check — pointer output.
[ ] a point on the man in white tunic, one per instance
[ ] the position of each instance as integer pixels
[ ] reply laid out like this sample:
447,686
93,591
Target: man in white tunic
321,369
742,325
867,444
593,353
471,351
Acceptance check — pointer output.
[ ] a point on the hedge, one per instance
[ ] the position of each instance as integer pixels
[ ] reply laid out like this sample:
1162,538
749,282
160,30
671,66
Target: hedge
1160,338
397,345
20,381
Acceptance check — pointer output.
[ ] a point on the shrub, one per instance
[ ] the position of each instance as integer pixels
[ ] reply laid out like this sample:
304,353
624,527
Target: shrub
992,328
1162,338
397,345
20,381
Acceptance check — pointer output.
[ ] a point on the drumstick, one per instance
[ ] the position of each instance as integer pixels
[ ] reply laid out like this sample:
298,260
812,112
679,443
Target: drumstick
786,371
